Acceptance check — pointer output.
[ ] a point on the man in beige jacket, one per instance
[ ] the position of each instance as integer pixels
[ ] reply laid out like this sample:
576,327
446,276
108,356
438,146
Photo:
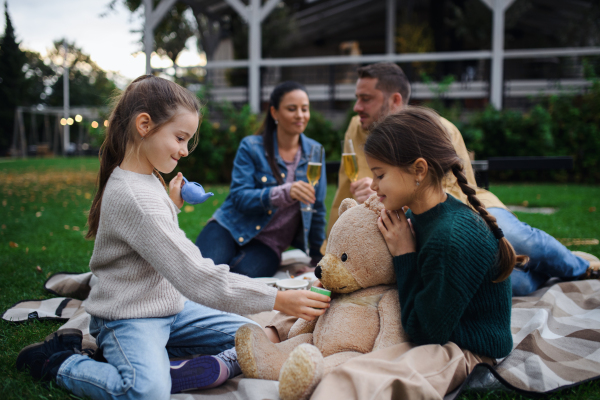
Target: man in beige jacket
383,89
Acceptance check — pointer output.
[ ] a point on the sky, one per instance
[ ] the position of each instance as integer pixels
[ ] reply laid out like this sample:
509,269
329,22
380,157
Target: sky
108,40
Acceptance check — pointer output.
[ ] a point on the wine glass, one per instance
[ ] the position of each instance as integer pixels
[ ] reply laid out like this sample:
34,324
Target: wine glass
313,172
349,160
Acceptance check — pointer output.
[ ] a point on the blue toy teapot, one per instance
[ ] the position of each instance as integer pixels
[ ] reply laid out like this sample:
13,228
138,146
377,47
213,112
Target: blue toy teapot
193,193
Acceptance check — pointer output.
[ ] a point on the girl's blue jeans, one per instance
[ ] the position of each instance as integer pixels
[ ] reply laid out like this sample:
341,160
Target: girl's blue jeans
548,258
138,351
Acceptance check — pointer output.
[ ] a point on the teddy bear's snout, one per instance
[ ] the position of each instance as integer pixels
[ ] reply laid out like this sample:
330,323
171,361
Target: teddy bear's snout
318,272
334,275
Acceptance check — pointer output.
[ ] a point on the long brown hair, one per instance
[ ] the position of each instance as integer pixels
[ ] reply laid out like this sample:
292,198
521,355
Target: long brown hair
416,132
269,126
159,98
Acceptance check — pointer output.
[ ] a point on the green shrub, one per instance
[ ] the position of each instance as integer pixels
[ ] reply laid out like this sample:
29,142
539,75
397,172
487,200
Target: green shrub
494,133
212,160
575,125
559,125
321,130
562,125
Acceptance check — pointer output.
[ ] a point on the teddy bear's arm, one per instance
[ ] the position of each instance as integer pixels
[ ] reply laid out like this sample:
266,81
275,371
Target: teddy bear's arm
390,325
302,326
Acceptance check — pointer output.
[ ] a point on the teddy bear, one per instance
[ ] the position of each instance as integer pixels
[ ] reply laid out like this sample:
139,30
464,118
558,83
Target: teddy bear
364,315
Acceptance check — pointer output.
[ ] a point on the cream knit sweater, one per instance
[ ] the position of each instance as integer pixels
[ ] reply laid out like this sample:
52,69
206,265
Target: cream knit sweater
145,264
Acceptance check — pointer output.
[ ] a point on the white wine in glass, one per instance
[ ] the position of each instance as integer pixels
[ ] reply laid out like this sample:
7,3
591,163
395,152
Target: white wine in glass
349,160
313,172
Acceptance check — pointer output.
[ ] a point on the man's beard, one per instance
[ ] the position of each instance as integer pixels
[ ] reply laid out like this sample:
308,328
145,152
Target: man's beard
383,112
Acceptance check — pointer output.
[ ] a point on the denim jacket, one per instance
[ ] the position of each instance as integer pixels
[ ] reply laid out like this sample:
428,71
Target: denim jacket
248,209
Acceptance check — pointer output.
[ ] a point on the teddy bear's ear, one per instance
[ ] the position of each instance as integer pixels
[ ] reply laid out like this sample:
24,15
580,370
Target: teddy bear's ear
347,204
373,204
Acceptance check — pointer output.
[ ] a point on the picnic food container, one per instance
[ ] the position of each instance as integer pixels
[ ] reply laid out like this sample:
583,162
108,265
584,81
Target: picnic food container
292,284
267,281
193,192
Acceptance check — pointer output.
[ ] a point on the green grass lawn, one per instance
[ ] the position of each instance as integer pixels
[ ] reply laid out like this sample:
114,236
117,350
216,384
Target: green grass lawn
43,206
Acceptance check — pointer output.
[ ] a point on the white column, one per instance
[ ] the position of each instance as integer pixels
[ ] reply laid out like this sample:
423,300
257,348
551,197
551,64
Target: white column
148,35
152,19
390,38
66,137
254,14
497,55
255,55
498,8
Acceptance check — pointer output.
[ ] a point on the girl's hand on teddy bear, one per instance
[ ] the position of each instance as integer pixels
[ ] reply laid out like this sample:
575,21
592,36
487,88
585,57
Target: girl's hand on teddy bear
175,190
302,303
397,232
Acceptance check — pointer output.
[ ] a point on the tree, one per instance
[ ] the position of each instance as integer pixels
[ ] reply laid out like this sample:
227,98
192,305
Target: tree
172,32
89,85
23,75
12,81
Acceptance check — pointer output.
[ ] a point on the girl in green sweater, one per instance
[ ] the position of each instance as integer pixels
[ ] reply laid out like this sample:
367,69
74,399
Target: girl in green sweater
452,262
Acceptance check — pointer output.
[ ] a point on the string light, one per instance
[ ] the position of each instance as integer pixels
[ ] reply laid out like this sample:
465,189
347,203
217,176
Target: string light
63,121
70,121
94,124
78,118
105,122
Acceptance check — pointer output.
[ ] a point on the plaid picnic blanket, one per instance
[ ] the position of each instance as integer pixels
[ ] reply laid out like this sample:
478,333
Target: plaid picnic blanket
556,335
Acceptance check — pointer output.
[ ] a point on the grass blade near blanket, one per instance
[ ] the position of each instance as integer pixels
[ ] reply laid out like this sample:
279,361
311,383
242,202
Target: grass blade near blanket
43,209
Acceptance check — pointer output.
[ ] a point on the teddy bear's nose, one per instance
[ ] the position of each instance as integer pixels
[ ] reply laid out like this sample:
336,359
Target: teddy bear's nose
318,272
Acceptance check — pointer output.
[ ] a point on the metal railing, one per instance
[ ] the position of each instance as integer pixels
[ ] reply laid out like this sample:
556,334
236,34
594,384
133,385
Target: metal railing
421,91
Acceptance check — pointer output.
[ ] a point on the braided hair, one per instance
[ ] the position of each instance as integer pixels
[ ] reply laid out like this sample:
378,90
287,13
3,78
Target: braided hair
417,132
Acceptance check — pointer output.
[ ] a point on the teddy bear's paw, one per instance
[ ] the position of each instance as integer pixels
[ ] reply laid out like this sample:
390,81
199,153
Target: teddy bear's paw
258,357
301,373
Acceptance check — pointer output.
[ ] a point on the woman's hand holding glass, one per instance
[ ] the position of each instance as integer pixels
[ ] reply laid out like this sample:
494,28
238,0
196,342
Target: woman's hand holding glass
303,192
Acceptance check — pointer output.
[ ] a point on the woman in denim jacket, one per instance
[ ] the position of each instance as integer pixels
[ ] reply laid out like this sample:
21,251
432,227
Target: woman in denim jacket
261,217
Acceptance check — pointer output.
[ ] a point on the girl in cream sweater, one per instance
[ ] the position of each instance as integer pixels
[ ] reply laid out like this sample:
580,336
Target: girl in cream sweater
157,296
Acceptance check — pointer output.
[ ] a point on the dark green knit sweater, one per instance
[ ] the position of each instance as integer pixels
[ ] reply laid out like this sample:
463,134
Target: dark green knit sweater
446,289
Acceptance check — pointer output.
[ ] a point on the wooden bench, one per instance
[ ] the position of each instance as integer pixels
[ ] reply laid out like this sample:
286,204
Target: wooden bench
482,167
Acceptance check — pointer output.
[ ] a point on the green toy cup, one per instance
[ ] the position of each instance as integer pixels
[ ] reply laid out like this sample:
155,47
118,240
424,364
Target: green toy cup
320,290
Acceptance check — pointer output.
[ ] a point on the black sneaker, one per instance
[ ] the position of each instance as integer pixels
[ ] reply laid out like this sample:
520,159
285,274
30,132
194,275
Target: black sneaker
71,338
43,359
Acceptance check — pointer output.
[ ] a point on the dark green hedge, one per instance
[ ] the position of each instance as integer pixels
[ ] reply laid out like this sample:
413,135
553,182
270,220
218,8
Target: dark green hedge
218,139
565,125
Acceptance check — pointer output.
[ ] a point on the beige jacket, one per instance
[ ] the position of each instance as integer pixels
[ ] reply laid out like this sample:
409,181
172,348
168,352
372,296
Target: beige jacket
359,137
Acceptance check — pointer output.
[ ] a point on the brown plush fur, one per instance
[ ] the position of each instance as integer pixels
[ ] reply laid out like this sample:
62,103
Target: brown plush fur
301,373
364,313
267,362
